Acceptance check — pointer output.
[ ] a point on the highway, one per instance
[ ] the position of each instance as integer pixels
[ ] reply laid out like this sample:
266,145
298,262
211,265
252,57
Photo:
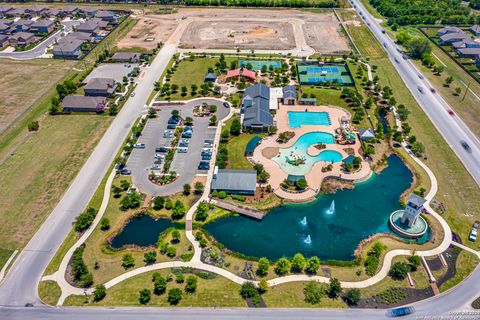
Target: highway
452,128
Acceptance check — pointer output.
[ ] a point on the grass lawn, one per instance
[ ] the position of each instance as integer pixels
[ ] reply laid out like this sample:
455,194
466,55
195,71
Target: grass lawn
18,80
49,292
236,151
217,292
48,162
466,263
4,255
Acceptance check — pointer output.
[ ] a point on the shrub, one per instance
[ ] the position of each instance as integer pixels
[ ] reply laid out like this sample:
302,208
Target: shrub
236,127
175,236
171,252
298,262
128,261
174,296
335,288
191,284
144,296
282,266
104,224
399,270
263,286
178,210
33,126
85,219
201,212
199,187
159,284
312,265
158,203
83,278
248,290
99,293
263,265
131,201
187,188
150,257
314,292
222,194
180,278
168,204
414,261
353,296
238,197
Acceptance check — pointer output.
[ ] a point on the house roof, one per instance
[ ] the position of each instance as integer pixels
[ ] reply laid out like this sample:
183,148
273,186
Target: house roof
366,133
22,35
211,76
36,8
85,36
23,22
469,51
234,180
3,37
69,9
475,28
449,29
43,23
416,200
100,84
88,25
289,92
53,12
126,55
68,44
241,72
256,105
3,27
104,14
7,22
17,11
453,36
6,8
82,101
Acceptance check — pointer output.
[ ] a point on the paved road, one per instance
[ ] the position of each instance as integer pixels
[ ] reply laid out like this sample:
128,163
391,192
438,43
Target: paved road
19,287
184,164
452,128
41,48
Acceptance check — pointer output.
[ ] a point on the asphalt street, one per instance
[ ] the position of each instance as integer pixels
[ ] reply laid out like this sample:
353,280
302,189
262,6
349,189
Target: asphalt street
20,284
41,48
184,164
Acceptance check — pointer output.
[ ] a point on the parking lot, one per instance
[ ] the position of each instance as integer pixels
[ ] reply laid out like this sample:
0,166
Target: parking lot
184,164
111,70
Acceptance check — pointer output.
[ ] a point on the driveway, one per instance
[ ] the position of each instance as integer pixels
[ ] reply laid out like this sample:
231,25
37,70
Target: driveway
184,164
41,48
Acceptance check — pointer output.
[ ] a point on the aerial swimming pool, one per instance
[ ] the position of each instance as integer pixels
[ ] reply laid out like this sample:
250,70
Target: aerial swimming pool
296,119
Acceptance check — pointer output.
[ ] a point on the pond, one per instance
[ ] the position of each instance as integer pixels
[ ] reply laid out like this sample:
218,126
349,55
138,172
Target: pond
142,231
330,227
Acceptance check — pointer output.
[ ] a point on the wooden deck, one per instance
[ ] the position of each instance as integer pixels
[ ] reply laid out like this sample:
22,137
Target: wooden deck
246,211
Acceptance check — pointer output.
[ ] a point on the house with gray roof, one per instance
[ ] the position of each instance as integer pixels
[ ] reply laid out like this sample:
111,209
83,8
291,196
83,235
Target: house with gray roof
448,29
21,39
88,11
70,10
5,11
88,26
234,181
68,48
83,104
3,40
126,57
475,30
106,15
42,26
468,52
22,25
256,108
16,12
36,10
53,13
84,36
454,37
4,28
289,95
104,87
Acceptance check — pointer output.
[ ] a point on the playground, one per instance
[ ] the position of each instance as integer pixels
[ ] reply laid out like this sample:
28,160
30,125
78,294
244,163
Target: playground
324,73
258,64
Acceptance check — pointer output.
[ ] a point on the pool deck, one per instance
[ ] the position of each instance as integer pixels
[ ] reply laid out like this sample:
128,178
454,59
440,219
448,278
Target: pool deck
315,176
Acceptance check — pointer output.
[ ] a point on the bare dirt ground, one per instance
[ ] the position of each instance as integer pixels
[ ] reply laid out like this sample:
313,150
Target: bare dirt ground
157,27
213,28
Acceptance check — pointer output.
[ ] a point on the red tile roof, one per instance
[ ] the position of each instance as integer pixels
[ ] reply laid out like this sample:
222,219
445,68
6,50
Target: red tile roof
242,72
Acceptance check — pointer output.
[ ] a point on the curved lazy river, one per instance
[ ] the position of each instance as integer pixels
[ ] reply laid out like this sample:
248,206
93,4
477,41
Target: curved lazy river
287,230
299,151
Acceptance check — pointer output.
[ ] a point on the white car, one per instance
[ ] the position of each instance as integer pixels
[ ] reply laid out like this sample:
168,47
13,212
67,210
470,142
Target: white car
155,167
159,156
133,94
473,235
139,145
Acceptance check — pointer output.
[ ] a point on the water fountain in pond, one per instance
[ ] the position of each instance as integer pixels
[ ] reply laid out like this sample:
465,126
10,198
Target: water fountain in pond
308,240
331,209
303,222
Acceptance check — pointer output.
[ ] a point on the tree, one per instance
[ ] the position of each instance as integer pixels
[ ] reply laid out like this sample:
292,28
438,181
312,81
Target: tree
186,189
419,47
334,288
85,219
171,252
314,292
225,135
448,81
152,113
188,121
312,265
178,210
180,278
33,126
282,266
222,195
301,184
458,90
353,296
213,120
175,236
438,69
191,284
150,257
263,266
201,214
54,106
104,224
174,296
248,290
99,293
144,296
116,191
127,261
414,261
399,270
212,108
236,127
159,284
199,187
298,262
124,184
158,203
418,148
131,200
175,113
168,204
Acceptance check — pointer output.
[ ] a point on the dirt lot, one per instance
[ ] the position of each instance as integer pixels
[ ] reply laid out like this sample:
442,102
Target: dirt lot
23,82
157,27
209,28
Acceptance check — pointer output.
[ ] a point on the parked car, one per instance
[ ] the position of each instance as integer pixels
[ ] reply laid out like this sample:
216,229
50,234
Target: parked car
168,134
206,153
473,235
226,105
172,126
399,312
139,145
208,143
161,149
183,143
186,135
188,128
155,167
204,166
207,157
173,120
182,150
125,172
159,156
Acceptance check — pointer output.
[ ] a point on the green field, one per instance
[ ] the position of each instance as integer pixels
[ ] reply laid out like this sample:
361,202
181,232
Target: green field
49,292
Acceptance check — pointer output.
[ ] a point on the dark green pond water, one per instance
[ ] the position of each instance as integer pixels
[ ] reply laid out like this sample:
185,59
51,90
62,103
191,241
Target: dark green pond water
358,214
142,231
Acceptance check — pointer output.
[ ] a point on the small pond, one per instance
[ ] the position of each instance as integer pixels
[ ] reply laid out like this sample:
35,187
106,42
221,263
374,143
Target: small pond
313,229
142,231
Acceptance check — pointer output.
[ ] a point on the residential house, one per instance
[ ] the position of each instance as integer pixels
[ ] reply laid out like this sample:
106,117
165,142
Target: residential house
475,30
42,26
366,134
307,101
477,60
70,11
21,39
88,27
447,30
3,40
88,11
35,11
131,57
450,38
68,48
7,22
53,13
84,36
289,95
234,181
241,73
22,25
5,11
17,12
106,15
256,108
4,28
104,87
83,104
468,52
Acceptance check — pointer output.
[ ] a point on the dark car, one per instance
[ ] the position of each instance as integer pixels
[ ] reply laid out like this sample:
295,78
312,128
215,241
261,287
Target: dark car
399,312
207,157
204,167
466,146
125,172
206,153
226,105
171,126
186,135
173,120
187,128
161,149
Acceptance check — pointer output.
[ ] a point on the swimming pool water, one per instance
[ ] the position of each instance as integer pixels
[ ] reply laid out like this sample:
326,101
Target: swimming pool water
298,118
299,150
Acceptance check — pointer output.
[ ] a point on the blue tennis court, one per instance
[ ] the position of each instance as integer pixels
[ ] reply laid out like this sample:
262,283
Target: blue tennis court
258,64
325,73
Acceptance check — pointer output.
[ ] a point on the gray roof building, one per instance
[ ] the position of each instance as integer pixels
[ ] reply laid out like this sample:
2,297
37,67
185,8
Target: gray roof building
89,26
126,57
5,10
83,104
448,29
43,25
475,29
289,93
366,134
234,181
256,107
100,87
84,36
454,37
415,201
68,47
7,22
468,52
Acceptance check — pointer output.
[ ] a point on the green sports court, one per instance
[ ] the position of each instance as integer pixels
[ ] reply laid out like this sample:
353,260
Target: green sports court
314,73
258,64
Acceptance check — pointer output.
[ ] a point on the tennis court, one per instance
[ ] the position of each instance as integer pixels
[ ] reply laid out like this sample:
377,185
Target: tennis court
318,74
258,64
